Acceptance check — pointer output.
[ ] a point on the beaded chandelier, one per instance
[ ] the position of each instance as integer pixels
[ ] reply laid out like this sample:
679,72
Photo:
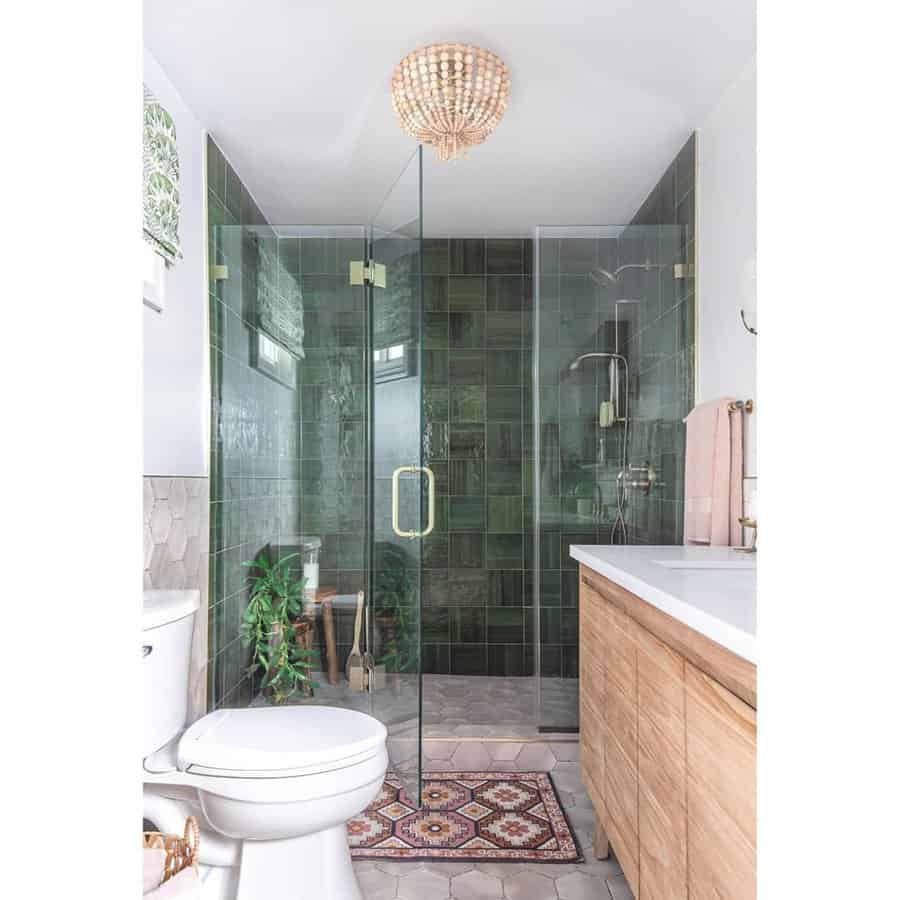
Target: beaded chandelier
450,95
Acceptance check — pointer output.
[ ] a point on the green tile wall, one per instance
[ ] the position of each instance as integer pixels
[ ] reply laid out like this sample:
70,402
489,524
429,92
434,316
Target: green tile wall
289,461
254,467
477,615
657,336
664,348
285,460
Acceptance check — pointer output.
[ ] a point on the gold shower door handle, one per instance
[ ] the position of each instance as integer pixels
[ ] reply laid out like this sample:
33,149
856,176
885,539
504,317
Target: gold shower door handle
395,501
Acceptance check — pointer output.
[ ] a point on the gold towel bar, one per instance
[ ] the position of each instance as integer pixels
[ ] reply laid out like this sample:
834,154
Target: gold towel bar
741,406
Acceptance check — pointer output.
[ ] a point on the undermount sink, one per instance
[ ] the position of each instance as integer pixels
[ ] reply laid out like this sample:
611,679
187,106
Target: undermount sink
747,561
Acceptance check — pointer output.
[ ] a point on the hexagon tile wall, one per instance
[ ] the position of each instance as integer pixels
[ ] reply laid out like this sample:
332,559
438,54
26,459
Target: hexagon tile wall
176,555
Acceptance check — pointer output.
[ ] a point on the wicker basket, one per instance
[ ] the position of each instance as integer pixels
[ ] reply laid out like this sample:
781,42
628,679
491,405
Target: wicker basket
180,852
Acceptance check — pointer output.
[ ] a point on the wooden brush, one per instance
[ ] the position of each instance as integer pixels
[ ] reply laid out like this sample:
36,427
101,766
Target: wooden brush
355,669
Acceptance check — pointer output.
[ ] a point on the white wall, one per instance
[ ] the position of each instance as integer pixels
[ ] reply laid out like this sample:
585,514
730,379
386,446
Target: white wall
176,389
726,252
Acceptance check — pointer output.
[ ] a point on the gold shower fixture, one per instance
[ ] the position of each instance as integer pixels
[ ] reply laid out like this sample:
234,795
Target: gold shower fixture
451,96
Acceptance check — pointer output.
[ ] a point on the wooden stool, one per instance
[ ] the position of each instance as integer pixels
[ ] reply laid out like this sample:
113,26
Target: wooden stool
324,596
305,629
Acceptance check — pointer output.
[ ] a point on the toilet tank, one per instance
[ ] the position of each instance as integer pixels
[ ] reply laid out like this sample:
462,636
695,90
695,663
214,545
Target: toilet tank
167,626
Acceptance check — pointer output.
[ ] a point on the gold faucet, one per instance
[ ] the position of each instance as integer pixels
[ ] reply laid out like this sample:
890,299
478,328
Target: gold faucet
747,522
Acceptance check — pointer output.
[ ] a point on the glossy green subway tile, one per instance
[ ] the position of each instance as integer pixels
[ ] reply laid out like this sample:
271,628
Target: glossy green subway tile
550,618
436,659
505,256
507,293
577,255
504,404
215,169
466,330
468,586
504,514
435,256
467,256
289,253
504,476
435,624
467,624
466,513
436,402
441,470
465,367
505,440
467,293
506,588
436,551
437,330
233,192
504,551
467,477
504,329
509,660
467,403
569,586
318,256
505,367
467,550
435,587
468,659
435,293
434,366
436,441
467,441
505,625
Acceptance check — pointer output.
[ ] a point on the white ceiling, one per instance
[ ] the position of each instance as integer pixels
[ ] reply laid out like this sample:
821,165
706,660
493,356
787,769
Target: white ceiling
603,94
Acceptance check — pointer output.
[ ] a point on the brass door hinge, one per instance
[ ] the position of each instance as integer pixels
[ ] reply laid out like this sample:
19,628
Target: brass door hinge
368,272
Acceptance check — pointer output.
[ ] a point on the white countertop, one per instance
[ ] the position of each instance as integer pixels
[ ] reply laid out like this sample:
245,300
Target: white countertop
718,602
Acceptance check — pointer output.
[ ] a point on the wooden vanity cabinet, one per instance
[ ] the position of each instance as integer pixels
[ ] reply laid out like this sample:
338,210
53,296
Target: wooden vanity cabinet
721,791
662,799
668,753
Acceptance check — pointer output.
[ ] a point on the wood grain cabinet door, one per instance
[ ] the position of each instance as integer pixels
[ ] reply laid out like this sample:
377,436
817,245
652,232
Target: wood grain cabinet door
621,787
721,791
592,695
662,783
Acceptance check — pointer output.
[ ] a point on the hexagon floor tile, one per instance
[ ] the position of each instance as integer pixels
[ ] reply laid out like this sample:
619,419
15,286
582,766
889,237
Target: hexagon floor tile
529,886
476,885
423,885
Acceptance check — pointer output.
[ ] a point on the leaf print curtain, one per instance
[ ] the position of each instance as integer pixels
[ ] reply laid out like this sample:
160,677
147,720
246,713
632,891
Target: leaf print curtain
162,200
279,301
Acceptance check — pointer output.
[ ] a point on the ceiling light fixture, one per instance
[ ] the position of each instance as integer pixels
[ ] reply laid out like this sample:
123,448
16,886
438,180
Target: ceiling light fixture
450,95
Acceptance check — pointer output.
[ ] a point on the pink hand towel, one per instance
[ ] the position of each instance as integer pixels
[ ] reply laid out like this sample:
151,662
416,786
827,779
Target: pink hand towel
713,476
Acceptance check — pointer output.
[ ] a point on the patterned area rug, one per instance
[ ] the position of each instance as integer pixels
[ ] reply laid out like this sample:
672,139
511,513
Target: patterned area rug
487,816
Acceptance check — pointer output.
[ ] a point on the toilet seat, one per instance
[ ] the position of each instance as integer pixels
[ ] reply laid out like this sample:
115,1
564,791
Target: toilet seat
279,742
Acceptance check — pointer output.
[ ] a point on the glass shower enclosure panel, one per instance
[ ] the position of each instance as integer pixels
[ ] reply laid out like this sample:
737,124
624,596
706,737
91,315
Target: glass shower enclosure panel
403,496
612,380
316,458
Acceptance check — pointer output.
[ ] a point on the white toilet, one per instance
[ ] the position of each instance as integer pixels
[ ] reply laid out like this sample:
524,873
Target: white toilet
272,787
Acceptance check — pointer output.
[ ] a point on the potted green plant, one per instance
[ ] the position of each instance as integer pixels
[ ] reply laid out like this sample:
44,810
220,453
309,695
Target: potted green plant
395,609
269,627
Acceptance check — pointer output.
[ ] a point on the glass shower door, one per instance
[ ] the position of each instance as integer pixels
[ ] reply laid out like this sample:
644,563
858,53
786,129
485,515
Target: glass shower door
402,505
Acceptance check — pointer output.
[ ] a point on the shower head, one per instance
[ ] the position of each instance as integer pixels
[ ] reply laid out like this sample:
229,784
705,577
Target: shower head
601,276
576,363
597,275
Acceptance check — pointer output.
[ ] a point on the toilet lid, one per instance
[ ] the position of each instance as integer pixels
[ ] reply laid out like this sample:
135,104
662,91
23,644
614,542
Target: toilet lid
270,739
